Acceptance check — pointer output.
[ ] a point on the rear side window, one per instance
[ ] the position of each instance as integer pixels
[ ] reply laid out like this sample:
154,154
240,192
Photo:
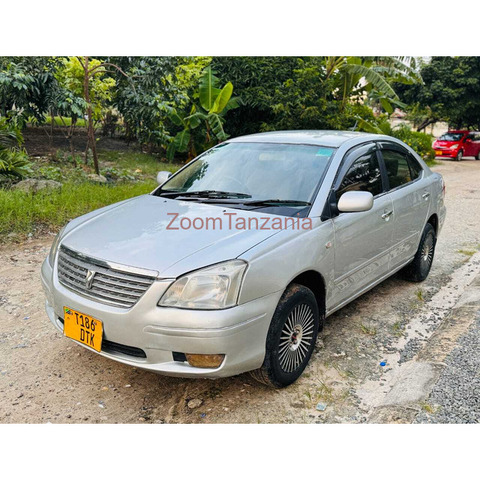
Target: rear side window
363,176
415,168
398,168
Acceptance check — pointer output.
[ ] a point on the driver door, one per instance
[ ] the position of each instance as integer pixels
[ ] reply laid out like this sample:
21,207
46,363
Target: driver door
362,240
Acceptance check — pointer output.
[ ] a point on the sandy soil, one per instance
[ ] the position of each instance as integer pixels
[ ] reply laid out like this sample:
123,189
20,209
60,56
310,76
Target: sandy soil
44,377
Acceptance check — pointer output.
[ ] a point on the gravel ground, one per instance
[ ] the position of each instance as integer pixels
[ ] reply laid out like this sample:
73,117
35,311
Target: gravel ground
456,396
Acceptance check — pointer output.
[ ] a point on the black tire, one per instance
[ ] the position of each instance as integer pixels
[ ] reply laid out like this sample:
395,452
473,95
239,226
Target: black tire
459,156
298,319
478,156
419,268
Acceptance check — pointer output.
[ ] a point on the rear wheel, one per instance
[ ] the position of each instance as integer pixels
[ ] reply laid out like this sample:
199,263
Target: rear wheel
478,156
291,338
419,268
459,156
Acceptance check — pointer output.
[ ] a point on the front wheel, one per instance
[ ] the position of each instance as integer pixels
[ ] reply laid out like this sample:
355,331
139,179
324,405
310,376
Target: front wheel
291,338
419,268
459,156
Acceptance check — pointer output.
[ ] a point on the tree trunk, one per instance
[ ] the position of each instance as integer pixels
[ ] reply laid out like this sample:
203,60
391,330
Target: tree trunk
52,121
72,148
90,129
426,123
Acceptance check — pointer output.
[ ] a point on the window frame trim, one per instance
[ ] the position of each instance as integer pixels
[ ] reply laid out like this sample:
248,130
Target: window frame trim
350,158
385,145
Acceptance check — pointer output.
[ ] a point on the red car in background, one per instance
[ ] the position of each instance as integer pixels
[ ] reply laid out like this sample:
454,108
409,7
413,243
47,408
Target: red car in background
458,144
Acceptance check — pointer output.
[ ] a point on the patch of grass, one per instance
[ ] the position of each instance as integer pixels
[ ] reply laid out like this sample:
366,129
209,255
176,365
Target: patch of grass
431,163
129,173
22,213
149,165
429,408
325,393
397,329
468,253
368,330
81,122
419,294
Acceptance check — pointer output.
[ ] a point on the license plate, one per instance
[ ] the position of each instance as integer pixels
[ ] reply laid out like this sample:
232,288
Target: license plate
83,328
438,152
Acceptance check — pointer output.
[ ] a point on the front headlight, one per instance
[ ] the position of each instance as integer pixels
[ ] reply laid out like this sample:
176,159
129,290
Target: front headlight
453,147
210,288
54,247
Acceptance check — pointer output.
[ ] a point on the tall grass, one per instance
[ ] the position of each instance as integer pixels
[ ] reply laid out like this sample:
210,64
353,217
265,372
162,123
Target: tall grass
22,213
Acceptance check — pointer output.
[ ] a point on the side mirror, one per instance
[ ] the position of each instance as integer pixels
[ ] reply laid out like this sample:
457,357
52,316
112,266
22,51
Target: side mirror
355,202
162,177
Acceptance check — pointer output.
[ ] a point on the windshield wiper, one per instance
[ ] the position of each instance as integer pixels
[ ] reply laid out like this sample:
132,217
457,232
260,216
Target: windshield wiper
278,202
205,194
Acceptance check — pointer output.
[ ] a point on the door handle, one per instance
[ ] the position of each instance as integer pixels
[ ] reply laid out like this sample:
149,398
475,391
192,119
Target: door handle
425,195
386,215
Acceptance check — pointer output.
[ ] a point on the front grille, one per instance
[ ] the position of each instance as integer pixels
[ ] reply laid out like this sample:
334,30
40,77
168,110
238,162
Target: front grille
112,347
109,286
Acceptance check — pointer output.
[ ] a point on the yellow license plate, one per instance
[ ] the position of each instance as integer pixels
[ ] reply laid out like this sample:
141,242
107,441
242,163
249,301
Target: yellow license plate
83,328
438,152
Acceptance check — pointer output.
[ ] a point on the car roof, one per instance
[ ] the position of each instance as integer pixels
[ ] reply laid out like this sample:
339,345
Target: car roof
324,138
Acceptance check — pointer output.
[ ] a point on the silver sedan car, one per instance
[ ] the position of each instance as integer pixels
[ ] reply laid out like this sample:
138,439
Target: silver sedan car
233,263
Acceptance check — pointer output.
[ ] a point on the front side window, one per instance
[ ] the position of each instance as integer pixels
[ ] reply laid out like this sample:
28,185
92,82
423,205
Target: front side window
363,176
398,169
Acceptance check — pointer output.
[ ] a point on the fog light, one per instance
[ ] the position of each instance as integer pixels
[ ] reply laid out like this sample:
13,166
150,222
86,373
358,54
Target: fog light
204,361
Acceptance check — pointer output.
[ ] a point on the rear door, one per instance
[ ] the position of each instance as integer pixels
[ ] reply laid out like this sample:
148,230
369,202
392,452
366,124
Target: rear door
470,146
410,194
362,239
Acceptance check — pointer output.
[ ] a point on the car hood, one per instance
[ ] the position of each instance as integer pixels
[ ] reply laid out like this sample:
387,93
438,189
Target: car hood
139,233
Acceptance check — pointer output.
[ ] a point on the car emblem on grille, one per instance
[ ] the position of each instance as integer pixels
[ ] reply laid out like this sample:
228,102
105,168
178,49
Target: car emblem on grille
89,278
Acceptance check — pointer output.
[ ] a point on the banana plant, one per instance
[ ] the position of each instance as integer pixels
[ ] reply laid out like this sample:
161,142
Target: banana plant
14,162
213,103
373,76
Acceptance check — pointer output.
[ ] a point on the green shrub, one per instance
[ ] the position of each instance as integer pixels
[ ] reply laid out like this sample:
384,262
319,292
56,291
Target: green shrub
420,142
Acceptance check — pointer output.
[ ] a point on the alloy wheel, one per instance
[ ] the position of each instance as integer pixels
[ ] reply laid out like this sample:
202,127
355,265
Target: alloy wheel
296,337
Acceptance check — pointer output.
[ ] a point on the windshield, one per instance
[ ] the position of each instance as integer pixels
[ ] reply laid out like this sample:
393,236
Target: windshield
257,170
451,137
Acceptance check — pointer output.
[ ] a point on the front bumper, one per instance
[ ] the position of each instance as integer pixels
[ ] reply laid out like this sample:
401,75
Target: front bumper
445,153
239,332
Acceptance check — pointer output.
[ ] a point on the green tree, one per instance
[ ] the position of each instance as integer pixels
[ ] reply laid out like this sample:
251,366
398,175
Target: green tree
450,93
27,85
143,96
88,76
256,81
311,92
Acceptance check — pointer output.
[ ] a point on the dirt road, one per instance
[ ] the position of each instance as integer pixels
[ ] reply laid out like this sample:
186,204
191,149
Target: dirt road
46,378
